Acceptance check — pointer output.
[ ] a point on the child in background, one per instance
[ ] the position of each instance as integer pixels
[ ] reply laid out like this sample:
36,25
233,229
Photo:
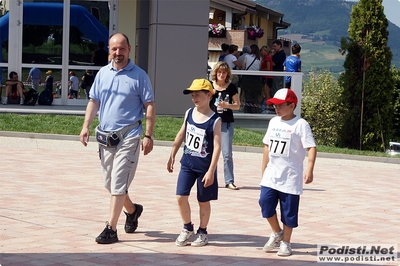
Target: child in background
201,131
286,141
292,64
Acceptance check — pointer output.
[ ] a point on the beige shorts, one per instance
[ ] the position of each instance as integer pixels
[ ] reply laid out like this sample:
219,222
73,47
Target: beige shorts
119,165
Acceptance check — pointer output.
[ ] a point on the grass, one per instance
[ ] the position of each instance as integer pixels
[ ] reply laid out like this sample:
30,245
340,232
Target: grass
165,129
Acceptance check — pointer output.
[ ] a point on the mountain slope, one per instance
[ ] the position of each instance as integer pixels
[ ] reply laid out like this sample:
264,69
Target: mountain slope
326,20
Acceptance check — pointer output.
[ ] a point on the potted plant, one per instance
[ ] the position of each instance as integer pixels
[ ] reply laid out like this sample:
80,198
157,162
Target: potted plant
254,32
216,30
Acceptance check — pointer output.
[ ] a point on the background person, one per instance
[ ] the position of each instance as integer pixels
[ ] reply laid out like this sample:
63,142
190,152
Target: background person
251,84
220,77
120,94
292,64
49,80
35,76
278,58
87,81
100,56
73,85
266,65
14,84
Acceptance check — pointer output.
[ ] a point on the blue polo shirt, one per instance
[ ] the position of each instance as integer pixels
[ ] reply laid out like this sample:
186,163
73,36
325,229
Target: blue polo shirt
35,73
121,95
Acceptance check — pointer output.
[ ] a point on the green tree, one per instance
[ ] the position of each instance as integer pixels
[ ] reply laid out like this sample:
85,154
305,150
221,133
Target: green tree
322,107
367,80
396,104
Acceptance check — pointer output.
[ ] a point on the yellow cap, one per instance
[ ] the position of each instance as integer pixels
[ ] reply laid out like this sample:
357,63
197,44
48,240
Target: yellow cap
200,85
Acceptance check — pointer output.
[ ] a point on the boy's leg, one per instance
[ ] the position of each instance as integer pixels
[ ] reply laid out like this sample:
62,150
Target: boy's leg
205,213
287,233
201,238
186,180
290,210
268,202
184,209
273,222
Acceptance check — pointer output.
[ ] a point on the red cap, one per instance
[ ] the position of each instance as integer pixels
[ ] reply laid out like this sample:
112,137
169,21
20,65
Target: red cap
283,96
72,73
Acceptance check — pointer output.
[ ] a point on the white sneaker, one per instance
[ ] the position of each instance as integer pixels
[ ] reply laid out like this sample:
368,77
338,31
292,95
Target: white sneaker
183,238
285,249
273,241
200,240
21,101
5,100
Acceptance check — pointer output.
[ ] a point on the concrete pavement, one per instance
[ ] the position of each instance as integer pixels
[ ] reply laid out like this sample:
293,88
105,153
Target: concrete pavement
53,205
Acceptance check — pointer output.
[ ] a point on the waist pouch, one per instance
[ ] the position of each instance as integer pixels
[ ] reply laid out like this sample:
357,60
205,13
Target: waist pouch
112,138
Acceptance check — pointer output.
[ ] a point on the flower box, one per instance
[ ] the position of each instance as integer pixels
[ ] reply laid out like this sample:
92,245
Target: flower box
216,30
254,32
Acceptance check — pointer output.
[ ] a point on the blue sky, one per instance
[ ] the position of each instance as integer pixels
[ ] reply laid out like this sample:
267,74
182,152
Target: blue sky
392,8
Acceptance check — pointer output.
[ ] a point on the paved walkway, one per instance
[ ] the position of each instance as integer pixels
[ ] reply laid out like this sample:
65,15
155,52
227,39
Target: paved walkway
53,205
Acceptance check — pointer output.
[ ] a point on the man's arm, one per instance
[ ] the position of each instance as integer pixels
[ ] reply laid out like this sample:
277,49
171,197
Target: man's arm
91,112
147,143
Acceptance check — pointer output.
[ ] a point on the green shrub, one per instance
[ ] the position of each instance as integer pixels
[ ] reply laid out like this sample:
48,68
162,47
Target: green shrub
322,108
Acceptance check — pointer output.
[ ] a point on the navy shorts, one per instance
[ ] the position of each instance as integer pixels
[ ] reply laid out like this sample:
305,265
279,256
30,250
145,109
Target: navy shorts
289,205
186,180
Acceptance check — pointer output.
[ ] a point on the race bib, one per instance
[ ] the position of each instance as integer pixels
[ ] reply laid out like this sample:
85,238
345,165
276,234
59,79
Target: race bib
194,137
279,143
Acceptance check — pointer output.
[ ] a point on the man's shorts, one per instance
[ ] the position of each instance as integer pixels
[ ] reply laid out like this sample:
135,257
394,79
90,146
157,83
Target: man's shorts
289,205
35,84
186,180
119,165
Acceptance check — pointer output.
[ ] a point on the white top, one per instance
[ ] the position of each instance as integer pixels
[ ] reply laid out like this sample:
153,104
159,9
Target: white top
287,141
255,66
229,59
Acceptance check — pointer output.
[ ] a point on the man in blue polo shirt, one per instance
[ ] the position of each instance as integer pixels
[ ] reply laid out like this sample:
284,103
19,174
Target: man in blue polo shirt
35,75
120,91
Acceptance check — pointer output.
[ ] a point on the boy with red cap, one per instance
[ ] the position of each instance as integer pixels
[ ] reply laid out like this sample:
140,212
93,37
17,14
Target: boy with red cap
286,141
201,131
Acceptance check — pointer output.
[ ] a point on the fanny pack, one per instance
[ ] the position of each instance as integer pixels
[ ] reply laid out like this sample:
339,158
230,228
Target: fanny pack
112,138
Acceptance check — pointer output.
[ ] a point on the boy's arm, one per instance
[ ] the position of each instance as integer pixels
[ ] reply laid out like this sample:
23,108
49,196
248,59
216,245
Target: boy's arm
309,175
265,159
208,178
177,144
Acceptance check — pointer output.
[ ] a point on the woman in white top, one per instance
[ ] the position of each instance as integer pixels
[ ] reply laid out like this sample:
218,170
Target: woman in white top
251,84
252,61
232,58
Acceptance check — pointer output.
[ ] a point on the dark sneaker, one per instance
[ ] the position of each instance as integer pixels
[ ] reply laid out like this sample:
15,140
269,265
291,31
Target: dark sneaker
131,223
108,236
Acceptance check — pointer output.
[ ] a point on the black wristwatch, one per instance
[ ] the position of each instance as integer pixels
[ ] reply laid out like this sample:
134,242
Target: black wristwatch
149,137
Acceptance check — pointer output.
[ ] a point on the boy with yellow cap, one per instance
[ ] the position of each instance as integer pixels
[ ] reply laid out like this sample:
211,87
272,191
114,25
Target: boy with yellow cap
201,131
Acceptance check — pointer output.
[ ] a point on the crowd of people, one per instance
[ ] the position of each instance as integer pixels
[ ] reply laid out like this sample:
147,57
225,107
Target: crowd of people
255,90
15,91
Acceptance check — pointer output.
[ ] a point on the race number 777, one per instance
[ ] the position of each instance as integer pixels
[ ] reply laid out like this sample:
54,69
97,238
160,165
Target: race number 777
277,146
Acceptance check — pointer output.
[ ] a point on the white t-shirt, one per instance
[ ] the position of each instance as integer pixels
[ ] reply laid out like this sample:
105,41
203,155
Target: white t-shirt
74,83
229,59
287,141
255,66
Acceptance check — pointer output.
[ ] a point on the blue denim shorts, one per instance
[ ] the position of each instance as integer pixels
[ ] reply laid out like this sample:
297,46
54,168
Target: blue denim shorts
289,205
186,179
